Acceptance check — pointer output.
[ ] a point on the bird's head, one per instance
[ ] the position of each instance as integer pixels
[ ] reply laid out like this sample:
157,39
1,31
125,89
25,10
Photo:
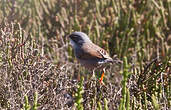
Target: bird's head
78,39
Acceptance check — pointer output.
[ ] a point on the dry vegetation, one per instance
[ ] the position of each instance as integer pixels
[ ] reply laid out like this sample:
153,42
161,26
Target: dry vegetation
38,69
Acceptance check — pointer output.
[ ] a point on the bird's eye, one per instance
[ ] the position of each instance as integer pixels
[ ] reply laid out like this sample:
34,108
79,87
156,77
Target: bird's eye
75,38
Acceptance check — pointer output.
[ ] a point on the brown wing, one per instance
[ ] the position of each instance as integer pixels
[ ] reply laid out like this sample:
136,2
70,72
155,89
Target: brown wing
92,51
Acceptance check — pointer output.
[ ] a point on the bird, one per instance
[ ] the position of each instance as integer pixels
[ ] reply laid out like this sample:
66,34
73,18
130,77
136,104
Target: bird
90,55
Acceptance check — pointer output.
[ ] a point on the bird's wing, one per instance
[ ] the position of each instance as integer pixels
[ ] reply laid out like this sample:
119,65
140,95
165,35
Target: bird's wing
92,51
102,52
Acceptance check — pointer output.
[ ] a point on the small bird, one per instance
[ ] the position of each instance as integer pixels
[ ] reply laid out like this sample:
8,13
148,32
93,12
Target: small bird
89,54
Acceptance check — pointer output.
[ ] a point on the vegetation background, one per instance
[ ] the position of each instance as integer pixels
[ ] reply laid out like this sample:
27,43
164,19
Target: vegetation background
38,69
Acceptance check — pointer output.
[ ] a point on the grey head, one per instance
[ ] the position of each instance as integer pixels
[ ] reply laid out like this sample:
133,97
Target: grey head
78,38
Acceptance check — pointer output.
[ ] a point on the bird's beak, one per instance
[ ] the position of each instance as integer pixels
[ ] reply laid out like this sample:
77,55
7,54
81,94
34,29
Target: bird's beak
67,37
70,40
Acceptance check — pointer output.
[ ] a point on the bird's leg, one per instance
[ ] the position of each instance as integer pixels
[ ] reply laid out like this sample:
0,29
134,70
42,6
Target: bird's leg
101,78
93,76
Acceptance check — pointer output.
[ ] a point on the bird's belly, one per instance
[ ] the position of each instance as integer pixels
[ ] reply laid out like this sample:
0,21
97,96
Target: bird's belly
90,64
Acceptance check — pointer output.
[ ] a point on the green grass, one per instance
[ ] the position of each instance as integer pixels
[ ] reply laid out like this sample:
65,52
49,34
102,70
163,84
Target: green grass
35,54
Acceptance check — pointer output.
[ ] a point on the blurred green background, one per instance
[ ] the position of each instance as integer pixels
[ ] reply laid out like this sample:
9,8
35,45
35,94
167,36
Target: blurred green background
125,28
